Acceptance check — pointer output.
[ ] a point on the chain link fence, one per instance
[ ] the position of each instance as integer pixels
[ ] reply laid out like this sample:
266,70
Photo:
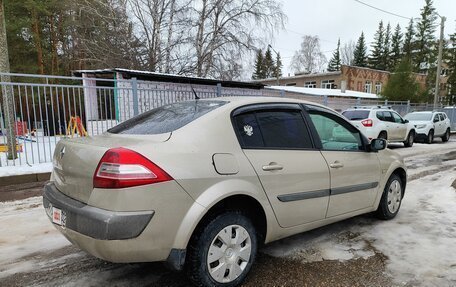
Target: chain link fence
49,108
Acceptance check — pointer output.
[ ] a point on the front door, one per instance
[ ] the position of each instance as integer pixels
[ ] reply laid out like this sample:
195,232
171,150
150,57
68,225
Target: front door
355,173
294,175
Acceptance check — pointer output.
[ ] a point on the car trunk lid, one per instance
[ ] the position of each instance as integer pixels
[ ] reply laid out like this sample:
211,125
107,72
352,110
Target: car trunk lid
75,160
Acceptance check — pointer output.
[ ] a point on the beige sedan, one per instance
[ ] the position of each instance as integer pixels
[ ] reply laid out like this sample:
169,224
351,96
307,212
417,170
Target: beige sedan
201,184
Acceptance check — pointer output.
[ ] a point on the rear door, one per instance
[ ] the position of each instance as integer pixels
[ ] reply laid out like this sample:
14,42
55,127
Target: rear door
401,126
355,173
293,173
390,125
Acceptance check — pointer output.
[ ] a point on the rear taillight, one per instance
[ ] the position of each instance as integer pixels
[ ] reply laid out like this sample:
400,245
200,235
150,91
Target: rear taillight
121,167
367,123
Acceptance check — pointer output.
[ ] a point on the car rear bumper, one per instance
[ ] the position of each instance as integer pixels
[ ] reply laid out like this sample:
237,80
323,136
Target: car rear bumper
94,222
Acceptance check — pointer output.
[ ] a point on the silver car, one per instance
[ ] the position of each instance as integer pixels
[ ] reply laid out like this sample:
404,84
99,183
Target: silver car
202,184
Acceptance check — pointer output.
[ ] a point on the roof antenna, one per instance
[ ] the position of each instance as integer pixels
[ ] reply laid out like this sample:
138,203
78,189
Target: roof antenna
196,96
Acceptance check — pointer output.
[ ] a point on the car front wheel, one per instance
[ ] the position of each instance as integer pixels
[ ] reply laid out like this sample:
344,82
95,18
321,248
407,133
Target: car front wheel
222,252
430,137
410,139
446,136
391,198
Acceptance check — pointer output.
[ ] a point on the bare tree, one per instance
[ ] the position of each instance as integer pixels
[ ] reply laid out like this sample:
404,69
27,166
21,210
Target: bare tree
223,26
347,53
309,58
8,103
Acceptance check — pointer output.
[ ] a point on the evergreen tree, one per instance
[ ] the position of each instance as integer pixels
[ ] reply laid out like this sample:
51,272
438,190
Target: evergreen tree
402,85
360,53
396,53
258,72
407,48
386,48
426,51
334,63
268,64
452,70
376,57
278,66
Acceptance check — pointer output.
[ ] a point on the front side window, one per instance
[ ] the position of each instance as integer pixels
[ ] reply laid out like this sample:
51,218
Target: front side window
273,129
397,118
334,133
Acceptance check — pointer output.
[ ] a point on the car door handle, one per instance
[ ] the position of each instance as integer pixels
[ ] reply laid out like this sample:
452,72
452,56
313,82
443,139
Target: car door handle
272,166
336,164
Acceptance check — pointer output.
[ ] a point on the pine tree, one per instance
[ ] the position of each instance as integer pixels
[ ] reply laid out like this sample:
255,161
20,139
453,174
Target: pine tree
334,63
268,64
386,48
376,57
360,53
452,70
396,53
407,48
278,67
425,40
402,85
258,67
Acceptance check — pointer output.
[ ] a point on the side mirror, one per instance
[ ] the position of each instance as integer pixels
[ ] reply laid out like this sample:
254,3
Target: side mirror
436,120
406,121
378,144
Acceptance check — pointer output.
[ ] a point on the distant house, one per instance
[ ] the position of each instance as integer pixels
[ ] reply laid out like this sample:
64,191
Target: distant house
352,78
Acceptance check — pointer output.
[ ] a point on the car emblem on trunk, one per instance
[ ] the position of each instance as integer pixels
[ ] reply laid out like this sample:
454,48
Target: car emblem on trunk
62,152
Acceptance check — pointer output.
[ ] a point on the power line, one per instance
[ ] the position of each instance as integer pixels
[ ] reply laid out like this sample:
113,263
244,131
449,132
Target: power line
384,11
323,40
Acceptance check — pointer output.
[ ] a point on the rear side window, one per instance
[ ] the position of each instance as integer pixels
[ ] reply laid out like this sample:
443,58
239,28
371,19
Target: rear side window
380,116
387,116
167,118
441,117
356,115
279,129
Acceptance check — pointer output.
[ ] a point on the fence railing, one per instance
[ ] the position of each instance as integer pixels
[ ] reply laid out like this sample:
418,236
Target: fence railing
48,108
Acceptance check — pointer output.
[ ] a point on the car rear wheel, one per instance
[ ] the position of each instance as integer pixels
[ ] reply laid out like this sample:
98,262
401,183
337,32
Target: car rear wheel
391,198
446,136
430,137
410,139
222,252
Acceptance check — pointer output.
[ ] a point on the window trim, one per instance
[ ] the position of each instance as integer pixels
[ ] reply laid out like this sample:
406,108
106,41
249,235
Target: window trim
253,108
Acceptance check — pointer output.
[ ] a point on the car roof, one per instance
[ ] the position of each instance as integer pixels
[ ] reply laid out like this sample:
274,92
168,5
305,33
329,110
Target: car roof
245,100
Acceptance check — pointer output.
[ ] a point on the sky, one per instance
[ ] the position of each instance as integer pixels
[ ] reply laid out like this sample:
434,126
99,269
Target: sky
346,19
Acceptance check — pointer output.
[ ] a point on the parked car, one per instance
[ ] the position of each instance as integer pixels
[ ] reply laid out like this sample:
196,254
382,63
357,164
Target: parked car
381,122
201,184
429,125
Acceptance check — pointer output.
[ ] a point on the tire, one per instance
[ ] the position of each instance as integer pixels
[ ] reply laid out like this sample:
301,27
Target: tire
410,139
383,135
211,250
430,137
391,200
446,136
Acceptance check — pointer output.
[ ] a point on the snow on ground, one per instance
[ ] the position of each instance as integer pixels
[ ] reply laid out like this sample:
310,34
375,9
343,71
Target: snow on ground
26,230
419,242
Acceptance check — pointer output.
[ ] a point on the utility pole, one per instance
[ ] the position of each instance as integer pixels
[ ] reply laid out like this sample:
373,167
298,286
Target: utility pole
439,62
277,72
8,103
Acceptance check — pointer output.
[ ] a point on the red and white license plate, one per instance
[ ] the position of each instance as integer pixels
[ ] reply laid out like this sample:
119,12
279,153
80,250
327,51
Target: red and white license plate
56,216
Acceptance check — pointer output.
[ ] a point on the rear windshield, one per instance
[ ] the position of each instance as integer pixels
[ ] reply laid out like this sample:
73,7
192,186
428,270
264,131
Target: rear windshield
419,117
166,118
356,115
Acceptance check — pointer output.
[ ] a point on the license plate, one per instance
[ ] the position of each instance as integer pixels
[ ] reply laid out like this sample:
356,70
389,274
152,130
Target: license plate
56,216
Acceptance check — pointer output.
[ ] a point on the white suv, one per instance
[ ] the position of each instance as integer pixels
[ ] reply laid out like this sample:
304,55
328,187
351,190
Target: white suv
430,124
381,122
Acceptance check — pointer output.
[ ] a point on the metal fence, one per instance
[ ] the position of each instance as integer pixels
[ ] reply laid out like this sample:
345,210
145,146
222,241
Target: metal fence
48,108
